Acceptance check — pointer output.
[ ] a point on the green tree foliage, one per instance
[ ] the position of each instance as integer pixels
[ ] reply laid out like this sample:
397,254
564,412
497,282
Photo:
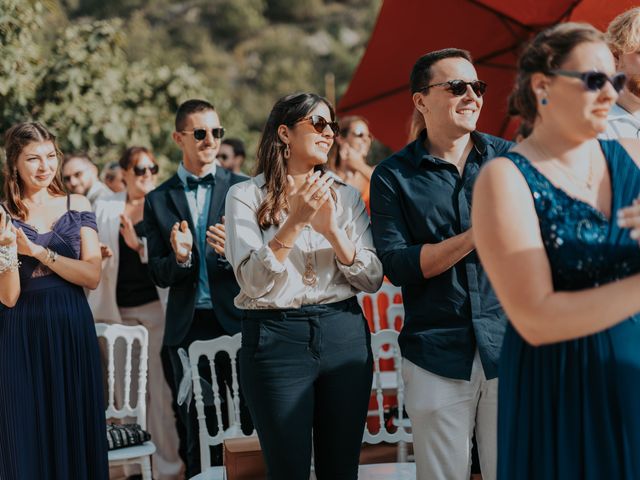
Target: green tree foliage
106,75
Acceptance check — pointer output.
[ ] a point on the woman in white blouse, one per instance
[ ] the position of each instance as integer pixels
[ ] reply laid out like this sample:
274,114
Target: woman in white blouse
300,246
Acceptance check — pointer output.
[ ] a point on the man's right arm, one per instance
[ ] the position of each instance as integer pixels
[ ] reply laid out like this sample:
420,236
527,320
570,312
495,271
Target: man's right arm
406,263
163,267
437,258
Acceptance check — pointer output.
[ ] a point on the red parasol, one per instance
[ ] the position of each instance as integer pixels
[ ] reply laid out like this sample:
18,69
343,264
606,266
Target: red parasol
492,30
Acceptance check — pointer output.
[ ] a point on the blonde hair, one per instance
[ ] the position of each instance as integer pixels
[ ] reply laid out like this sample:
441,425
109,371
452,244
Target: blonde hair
623,34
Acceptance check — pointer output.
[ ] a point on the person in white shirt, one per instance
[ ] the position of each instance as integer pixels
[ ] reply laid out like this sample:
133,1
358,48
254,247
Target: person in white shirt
623,37
300,245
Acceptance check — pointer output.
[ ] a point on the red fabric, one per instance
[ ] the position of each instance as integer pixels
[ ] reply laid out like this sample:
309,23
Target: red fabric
492,30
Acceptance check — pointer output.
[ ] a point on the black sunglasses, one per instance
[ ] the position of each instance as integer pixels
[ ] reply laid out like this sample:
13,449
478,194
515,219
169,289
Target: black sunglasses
595,81
140,171
319,123
223,157
201,133
459,87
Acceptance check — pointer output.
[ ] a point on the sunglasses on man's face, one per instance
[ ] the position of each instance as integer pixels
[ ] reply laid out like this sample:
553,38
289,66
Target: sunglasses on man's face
140,171
319,123
201,133
223,157
595,81
459,87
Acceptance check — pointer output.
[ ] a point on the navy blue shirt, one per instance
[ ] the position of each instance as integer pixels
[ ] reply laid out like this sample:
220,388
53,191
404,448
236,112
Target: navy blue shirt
417,198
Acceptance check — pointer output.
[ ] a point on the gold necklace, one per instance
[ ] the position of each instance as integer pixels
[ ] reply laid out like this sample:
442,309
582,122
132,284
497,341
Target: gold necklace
309,278
570,174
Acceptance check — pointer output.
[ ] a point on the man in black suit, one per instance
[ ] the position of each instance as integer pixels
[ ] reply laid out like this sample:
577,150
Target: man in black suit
178,214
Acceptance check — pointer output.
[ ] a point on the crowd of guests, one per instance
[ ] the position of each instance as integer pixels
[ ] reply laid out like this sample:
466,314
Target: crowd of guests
521,323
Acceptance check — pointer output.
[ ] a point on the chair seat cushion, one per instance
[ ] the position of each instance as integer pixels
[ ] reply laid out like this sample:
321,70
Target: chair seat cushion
125,435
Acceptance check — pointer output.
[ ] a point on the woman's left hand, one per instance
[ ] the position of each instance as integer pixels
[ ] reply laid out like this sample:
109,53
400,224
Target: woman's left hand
26,246
129,234
629,217
324,221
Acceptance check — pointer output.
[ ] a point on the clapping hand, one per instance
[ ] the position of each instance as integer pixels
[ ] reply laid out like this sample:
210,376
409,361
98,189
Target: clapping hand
629,217
324,221
7,231
181,240
26,246
129,234
216,237
306,200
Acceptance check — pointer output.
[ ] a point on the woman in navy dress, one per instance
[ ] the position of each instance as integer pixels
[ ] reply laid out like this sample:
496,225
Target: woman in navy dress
566,272
52,423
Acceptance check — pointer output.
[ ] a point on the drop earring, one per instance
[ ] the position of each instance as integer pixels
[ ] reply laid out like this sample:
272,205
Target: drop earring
286,153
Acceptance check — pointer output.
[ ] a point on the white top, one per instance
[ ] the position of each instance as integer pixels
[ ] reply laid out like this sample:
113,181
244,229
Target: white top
621,124
102,300
267,283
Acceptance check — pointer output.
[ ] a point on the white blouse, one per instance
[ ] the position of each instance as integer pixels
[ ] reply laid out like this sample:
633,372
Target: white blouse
265,282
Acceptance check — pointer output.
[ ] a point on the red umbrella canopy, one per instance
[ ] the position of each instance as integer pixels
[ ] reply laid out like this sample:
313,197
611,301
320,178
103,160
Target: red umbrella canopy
492,30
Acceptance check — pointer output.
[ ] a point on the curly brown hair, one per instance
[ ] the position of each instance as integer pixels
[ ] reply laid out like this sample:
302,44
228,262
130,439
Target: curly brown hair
16,138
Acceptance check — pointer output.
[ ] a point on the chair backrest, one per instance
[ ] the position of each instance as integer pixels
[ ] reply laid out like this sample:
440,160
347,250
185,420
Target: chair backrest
384,345
129,334
209,349
381,308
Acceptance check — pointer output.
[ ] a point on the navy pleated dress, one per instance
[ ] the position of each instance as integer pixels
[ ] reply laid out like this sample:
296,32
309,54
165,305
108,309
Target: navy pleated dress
52,421
571,410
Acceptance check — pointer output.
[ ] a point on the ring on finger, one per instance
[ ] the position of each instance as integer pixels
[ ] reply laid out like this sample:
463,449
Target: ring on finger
317,195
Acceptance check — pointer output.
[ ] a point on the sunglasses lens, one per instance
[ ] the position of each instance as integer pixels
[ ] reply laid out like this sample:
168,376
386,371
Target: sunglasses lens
479,88
457,87
318,122
217,132
154,169
199,134
618,81
595,80
222,156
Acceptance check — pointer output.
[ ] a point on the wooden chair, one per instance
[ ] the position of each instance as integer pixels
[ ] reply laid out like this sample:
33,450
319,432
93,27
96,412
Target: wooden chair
209,349
139,454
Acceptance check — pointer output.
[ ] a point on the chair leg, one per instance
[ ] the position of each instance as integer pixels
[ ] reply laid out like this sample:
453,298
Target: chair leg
146,468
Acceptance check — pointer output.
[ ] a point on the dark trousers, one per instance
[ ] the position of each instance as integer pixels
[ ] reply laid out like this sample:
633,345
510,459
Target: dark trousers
308,372
205,326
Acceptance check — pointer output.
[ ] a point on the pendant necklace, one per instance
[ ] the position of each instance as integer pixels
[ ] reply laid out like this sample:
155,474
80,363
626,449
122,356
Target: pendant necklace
309,278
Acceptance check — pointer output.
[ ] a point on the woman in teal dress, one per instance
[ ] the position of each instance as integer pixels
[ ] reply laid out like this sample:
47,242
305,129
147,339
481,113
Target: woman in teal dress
52,423
566,272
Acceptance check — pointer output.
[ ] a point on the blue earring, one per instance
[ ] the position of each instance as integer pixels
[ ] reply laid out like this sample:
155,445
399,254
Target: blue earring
544,101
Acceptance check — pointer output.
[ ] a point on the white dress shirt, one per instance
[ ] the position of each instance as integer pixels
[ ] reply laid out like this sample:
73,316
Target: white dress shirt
265,282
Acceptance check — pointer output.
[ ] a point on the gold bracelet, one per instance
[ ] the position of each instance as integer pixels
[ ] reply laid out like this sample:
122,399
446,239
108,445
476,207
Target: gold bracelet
281,244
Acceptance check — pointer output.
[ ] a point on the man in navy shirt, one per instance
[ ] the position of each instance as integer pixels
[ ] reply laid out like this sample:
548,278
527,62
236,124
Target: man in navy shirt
421,219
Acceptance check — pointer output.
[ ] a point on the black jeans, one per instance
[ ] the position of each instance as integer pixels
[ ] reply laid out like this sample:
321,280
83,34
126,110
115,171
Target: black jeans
308,370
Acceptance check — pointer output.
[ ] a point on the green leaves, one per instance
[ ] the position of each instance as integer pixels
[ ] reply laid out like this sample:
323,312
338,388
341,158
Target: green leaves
107,75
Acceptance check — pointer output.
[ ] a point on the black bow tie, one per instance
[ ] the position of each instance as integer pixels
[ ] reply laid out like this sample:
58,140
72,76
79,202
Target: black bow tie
193,183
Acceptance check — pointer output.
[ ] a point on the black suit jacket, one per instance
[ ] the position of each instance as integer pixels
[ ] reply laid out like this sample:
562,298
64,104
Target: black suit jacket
163,207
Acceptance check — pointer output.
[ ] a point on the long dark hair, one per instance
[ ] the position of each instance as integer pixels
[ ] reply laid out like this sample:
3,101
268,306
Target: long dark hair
16,138
287,111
